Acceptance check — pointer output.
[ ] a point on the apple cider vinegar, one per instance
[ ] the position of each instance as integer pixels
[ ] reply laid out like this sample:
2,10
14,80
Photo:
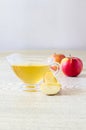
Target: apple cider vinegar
31,74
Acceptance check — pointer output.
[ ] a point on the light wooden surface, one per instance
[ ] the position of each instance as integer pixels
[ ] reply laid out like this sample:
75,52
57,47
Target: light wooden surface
20,110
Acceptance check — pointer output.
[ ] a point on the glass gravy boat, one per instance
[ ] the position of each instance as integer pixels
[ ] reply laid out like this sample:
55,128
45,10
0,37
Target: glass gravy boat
31,69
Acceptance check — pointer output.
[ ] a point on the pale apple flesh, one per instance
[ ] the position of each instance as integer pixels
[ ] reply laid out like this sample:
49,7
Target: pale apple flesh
50,88
50,85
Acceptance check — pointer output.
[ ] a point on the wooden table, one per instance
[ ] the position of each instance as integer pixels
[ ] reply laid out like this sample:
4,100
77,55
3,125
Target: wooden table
20,110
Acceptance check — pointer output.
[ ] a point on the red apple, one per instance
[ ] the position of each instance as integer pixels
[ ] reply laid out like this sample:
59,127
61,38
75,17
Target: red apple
57,57
71,66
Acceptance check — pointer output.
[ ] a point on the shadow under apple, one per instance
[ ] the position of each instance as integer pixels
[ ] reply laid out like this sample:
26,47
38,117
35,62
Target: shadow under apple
82,76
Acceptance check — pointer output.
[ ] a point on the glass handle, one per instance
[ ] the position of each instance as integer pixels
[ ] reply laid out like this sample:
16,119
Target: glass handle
55,68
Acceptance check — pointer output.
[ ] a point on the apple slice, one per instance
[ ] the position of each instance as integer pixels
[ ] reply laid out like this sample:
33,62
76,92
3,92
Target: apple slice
49,78
50,88
50,85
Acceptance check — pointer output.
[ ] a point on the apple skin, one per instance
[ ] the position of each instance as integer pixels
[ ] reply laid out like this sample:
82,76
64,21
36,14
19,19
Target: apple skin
57,57
71,66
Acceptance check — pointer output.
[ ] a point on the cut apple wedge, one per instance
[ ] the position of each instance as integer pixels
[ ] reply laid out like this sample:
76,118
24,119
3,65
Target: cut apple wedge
50,88
50,85
49,78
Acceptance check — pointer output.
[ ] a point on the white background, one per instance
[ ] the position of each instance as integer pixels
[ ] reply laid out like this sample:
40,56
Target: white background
42,24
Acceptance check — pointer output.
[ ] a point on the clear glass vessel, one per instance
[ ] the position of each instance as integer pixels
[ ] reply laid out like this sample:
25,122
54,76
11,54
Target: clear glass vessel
31,69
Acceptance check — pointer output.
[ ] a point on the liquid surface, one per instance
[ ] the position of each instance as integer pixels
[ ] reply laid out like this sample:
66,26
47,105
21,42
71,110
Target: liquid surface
30,74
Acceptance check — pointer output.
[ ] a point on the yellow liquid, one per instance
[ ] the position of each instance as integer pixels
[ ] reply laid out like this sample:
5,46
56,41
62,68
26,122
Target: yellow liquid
30,74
